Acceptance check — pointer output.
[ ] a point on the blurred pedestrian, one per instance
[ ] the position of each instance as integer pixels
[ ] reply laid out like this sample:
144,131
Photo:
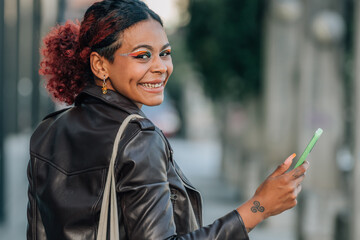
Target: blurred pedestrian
115,61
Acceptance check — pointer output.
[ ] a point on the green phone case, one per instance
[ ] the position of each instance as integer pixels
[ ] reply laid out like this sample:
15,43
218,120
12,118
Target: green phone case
309,147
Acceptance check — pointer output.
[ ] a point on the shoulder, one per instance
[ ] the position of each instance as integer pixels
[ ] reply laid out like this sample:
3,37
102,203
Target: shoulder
143,144
56,113
43,128
142,132
144,124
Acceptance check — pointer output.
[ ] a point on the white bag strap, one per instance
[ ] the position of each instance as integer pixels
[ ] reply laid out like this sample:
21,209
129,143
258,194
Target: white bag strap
110,190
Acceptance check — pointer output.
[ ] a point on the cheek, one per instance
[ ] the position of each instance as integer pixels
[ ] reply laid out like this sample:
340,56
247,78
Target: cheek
170,67
129,72
137,73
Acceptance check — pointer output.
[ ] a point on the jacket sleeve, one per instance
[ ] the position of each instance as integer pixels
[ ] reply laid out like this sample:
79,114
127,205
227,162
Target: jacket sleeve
144,194
35,227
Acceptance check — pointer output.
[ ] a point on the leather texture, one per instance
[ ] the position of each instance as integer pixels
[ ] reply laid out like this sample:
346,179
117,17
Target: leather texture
109,199
70,153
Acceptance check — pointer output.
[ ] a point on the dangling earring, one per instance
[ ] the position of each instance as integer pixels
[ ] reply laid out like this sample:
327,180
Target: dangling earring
104,88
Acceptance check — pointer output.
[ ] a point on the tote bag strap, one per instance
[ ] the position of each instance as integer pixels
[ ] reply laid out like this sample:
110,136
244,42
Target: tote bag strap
109,197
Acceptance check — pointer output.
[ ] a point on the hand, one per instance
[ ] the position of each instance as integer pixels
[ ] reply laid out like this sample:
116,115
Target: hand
280,190
275,195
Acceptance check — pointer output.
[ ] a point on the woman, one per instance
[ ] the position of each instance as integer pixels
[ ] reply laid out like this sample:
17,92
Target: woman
117,60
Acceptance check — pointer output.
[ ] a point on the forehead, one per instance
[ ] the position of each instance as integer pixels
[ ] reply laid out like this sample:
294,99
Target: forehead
148,32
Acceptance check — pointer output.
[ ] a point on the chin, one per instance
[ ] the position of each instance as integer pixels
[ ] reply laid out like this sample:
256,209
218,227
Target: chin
154,102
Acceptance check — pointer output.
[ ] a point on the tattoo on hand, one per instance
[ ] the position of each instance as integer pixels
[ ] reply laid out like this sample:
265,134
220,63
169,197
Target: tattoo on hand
257,207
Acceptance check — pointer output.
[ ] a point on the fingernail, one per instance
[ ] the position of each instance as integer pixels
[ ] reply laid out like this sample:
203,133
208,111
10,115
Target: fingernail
290,158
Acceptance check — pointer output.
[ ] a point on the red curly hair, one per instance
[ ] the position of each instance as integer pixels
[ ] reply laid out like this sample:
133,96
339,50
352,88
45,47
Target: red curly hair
67,48
61,62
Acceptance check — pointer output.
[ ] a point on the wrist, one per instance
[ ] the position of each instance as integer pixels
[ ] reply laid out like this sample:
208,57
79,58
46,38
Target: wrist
252,213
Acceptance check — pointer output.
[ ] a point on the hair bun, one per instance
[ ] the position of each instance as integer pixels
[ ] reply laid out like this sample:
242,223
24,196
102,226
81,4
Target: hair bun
62,65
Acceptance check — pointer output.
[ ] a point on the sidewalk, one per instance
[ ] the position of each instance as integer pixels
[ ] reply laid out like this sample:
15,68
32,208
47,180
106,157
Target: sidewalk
200,161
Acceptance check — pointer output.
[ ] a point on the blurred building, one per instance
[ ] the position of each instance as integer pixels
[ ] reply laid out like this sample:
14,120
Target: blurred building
23,102
305,89
310,75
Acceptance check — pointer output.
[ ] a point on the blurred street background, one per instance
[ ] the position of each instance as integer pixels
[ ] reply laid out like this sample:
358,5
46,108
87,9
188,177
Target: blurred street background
253,80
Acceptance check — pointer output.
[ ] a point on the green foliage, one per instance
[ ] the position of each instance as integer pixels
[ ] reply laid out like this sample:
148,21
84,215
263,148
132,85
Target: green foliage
224,39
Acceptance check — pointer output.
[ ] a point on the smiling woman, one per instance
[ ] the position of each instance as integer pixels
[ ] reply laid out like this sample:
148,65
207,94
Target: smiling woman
115,61
141,66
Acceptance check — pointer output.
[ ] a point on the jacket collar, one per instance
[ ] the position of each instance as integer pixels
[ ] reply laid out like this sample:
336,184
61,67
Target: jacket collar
112,98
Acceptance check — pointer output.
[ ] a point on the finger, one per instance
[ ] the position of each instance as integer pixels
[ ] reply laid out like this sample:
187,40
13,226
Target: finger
300,171
299,180
297,173
305,165
298,189
284,166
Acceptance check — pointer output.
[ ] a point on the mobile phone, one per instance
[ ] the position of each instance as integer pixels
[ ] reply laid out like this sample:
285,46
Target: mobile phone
309,147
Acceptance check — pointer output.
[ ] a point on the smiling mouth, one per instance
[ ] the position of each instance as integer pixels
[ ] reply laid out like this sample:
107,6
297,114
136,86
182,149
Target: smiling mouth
152,85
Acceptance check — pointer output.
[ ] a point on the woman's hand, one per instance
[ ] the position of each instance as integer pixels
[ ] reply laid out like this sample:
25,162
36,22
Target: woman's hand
280,190
275,195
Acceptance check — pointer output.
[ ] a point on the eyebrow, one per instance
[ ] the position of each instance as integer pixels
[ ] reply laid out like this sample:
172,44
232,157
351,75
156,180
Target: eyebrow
149,47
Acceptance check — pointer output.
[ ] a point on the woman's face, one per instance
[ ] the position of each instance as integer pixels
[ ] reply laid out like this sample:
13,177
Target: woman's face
142,65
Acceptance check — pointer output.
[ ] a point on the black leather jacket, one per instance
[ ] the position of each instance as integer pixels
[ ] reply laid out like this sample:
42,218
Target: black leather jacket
70,152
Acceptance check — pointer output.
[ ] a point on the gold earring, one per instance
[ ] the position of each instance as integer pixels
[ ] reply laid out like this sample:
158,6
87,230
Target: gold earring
104,88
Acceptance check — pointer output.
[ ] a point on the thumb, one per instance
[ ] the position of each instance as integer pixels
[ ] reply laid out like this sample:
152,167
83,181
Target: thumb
284,166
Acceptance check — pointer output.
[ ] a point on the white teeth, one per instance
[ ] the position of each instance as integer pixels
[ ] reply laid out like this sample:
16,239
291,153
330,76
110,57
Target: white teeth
150,85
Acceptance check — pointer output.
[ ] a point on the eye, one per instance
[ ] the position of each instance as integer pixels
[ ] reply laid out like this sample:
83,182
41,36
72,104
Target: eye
141,55
166,52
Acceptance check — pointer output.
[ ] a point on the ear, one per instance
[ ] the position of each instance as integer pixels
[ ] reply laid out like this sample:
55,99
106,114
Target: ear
98,65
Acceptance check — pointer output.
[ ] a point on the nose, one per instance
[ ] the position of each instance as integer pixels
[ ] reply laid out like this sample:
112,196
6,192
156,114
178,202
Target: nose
159,65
